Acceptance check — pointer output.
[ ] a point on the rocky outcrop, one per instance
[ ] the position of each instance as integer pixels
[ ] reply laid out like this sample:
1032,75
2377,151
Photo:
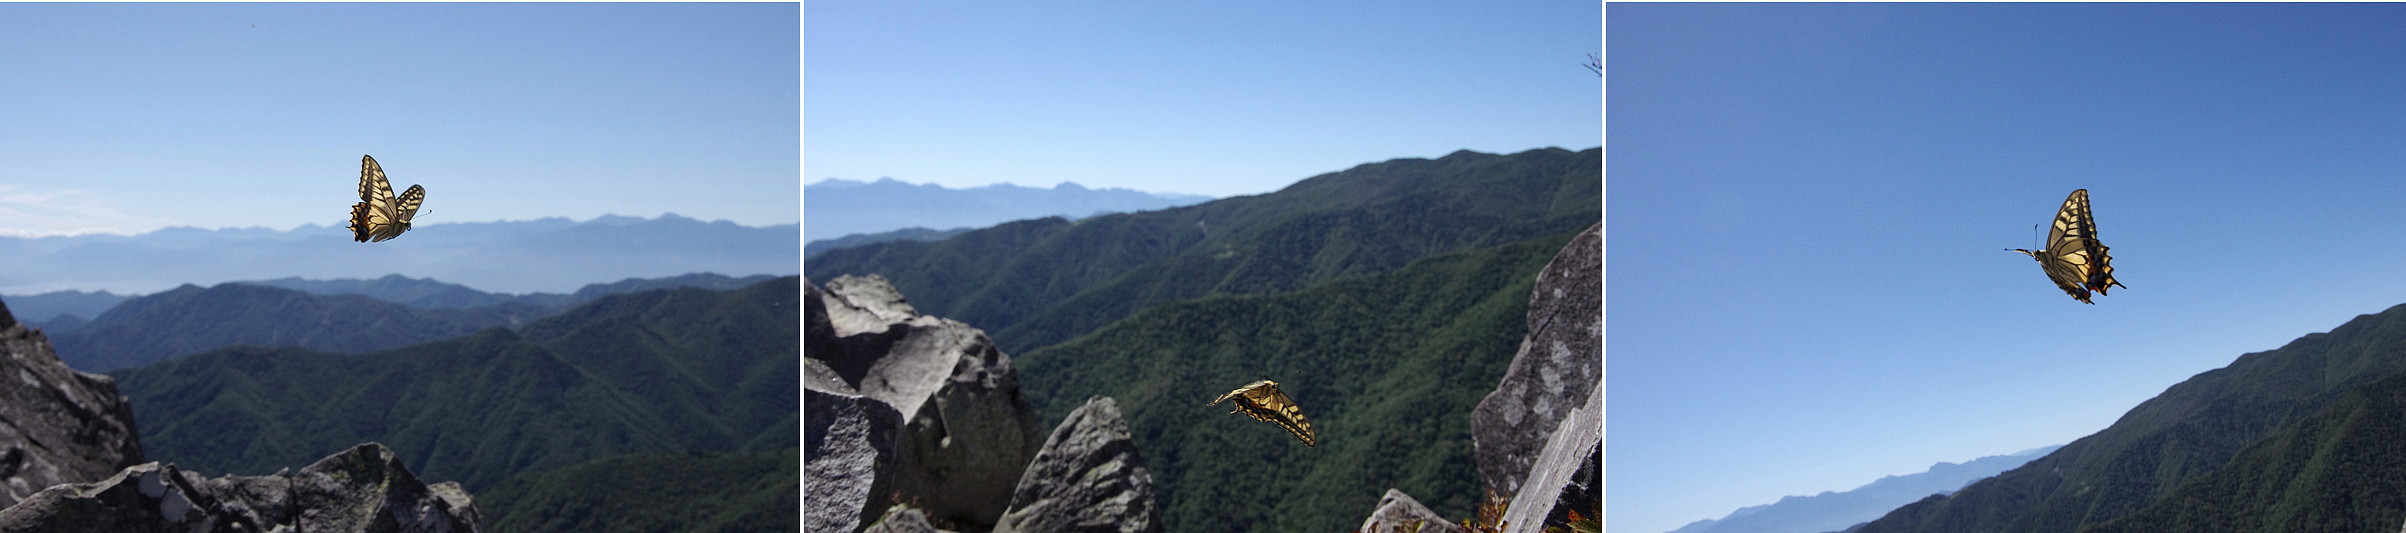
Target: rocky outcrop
1559,364
1398,512
1088,479
848,453
57,425
362,490
966,432
1565,475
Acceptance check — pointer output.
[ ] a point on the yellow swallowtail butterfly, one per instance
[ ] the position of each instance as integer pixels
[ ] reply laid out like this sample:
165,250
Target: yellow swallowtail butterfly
2073,258
1263,401
379,215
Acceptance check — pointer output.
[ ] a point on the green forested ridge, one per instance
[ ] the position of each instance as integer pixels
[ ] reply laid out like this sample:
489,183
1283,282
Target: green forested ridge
2342,468
662,372
2190,440
717,492
1387,366
1038,282
905,234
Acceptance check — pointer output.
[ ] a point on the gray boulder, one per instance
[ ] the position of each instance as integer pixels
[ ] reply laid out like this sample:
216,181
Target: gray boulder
1398,512
1089,478
1565,474
1559,364
967,432
361,490
57,425
848,453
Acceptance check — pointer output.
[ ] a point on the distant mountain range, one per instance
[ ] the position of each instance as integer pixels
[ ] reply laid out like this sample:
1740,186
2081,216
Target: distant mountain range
330,315
835,208
1834,511
545,255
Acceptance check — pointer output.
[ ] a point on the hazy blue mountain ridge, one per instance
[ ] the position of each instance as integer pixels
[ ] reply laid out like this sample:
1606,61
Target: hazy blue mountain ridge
44,307
545,255
428,293
192,319
1837,510
837,208
417,293
328,315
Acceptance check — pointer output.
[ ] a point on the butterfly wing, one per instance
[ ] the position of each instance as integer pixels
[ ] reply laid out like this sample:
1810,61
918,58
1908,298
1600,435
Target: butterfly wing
380,216
373,212
2074,259
1263,401
406,207
372,187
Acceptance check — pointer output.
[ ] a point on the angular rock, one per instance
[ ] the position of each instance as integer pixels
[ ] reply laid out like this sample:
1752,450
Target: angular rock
1398,511
57,425
848,453
1089,478
361,490
1559,363
903,519
1565,475
967,432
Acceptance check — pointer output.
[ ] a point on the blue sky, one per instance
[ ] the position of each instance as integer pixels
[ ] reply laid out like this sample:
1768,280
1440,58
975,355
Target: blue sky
1211,98
129,117
1807,206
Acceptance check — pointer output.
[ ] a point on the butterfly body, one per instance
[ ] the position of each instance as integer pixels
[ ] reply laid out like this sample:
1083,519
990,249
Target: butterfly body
2073,258
380,215
1263,401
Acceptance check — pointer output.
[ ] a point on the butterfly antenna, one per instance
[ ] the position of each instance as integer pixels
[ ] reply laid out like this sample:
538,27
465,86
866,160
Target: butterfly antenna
2037,242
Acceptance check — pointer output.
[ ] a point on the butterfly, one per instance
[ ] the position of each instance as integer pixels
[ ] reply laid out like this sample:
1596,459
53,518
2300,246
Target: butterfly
379,215
2073,258
1263,401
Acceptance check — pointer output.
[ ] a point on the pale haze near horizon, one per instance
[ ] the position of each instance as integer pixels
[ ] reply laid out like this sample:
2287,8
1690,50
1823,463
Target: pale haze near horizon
1808,206
126,118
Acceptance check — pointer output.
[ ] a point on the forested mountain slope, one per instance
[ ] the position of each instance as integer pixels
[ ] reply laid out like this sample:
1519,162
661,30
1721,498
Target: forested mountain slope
661,372
2226,435
1387,367
1039,282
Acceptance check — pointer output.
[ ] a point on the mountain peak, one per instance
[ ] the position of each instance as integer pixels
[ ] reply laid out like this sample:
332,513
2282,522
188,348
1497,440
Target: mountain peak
615,220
